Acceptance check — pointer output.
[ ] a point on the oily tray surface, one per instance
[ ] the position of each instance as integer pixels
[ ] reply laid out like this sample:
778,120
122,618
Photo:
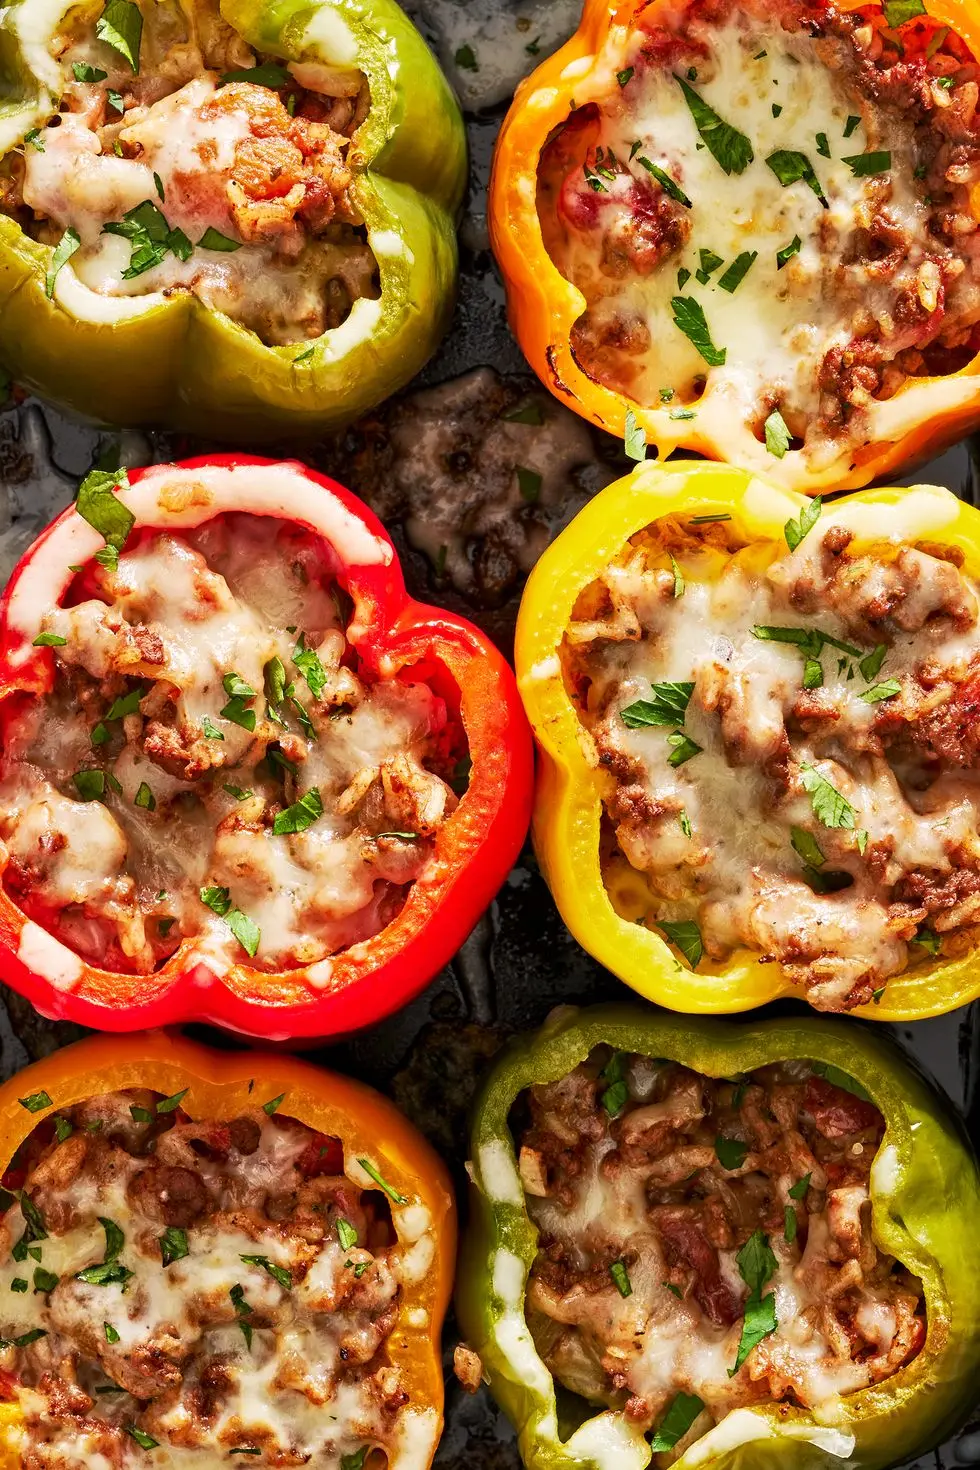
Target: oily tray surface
467,538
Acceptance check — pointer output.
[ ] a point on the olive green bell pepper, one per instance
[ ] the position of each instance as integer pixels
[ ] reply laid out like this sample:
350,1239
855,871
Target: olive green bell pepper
176,361
925,1196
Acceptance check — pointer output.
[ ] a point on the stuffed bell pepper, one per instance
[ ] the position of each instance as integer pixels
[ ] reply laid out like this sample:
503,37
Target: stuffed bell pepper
697,1244
215,1259
758,718
235,217
750,229
244,778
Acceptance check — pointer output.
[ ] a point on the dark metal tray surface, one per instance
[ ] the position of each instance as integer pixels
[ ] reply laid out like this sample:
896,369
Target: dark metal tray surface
437,464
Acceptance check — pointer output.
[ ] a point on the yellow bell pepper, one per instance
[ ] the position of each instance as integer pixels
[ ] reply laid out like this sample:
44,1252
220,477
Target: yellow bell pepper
568,802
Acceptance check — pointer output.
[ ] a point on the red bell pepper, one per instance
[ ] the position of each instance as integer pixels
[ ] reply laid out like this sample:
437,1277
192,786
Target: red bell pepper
473,849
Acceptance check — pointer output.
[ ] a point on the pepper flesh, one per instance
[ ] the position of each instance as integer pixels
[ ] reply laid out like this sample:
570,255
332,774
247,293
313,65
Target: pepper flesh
925,416
474,848
177,362
925,1190
568,801
221,1085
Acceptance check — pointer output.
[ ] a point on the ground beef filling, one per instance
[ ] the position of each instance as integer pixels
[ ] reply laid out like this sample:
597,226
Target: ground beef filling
677,1213
146,1326
788,744
837,263
214,762
176,179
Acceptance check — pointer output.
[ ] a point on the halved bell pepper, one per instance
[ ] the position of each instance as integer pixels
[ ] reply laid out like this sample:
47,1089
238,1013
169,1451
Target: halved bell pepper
925,1191
473,848
924,416
222,1086
568,802
171,360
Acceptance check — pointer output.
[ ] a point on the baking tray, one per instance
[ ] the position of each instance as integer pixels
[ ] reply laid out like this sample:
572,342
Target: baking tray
437,464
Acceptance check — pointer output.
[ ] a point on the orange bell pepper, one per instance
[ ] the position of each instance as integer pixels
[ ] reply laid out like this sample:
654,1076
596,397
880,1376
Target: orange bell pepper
224,1084
925,415
568,800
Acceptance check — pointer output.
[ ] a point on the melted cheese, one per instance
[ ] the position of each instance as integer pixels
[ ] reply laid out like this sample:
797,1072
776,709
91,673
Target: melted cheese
776,327
738,874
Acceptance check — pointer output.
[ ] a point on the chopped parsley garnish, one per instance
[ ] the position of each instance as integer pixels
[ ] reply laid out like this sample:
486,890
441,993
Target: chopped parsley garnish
777,434
19,1284
304,356
732,278
172,1103
44,1281
864,165
307,660
684,749
616,1095
158,185
947,83
621,1278
121,27
683,276
709,262
144,1440
690,319
680,1415
811,640
300,815
90,784
62,1129
851,124
861,838
210,729
372,1173
271,1107
236,687
63,252
666,182
806,846
788,251
624,76
346,1234
140,1115
529,484
105,512
100,734
686,935
679,583
466,58
928,938
144,797
150,236
667,706
886,690
897,12
25,1339
278,1273
709,520
110,1271
173,1245
213,239
82,72
242,1311
36,1102
873,661
240,694
840,1079
245,930
665,395
266,75
799,1189
634,438
829,806
35,139
685,823
789,1224
729,148
790,167
797,531
823,147
126,704
356,1460
731,1152
776,109
756,1264
240,793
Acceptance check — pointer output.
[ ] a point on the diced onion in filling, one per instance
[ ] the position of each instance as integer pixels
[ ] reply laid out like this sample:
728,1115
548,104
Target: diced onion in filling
789,742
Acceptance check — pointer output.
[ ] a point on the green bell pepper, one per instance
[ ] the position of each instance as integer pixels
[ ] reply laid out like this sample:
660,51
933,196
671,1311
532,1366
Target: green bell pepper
925,1198
176,361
